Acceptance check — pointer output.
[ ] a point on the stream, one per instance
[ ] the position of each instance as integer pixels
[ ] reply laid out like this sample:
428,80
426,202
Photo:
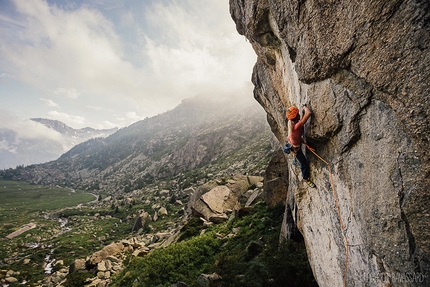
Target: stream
49,261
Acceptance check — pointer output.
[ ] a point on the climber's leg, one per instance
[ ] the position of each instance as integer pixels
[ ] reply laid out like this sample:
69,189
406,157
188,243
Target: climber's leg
304,166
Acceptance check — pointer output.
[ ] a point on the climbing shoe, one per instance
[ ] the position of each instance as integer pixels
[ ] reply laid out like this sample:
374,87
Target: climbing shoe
311,184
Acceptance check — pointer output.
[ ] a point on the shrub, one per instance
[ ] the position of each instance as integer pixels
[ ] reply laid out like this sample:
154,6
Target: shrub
256,258
183,261
252,257
192,228
77,279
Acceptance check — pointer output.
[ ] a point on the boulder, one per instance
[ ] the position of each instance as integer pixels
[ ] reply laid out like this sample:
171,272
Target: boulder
58,277
214,203
11,280
218,218
171,239
142,219
109,250
162,211
254,180
101,266
164,192
112,259
219,198
133,242
78,264
239,184
195,198
187,192
204,280
253,197
141,252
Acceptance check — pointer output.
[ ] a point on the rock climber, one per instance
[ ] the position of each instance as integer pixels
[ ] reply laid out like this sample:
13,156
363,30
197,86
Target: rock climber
295,138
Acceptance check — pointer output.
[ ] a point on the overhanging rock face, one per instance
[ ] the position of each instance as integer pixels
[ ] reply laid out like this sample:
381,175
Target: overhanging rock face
363,67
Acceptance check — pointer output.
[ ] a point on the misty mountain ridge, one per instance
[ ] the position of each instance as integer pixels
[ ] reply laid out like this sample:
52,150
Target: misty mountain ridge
210,136
80,134
40,140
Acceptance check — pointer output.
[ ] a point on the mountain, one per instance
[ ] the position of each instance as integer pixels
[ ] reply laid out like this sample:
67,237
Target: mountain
41,140
363,69
200,138
76,136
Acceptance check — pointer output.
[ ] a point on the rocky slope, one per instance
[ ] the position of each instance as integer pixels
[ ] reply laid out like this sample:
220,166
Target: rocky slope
214,202
363,68
201,138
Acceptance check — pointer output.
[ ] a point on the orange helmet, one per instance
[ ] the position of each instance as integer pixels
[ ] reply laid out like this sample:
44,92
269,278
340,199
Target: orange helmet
292,113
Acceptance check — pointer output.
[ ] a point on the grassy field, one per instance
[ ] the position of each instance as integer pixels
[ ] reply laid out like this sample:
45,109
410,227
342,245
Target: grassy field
21,202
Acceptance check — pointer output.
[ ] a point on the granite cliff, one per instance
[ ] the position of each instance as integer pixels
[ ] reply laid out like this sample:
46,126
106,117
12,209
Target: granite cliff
363,68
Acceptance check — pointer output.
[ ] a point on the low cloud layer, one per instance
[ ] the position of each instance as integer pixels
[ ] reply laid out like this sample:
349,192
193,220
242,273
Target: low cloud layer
100,64
27,129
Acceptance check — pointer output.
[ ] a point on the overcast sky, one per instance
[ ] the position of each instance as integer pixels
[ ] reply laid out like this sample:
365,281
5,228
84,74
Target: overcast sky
109,63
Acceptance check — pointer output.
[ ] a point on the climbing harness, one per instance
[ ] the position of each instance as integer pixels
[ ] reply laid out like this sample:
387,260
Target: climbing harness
344,230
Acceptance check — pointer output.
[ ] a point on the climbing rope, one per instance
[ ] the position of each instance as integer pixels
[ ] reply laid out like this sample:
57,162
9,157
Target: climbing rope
338,212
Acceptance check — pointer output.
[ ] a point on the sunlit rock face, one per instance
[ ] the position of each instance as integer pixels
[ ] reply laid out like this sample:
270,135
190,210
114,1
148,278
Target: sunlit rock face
363,68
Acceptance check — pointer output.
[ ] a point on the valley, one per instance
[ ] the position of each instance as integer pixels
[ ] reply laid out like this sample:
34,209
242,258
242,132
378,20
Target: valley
149,180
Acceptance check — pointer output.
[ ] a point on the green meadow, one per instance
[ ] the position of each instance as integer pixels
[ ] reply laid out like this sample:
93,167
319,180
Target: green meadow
89,227
21,202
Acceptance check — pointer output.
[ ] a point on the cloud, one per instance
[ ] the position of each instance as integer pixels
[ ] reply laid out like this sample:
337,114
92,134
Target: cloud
195,53
95,108
107,125
49,102
9,22
133,116
70,93
67,48
64,117
147,57
27,129
6,75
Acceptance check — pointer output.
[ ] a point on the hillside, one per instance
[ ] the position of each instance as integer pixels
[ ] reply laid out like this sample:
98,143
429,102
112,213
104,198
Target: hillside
207,137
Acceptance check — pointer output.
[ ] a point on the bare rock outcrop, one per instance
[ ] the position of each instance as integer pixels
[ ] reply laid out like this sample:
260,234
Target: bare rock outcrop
363,68
276,179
